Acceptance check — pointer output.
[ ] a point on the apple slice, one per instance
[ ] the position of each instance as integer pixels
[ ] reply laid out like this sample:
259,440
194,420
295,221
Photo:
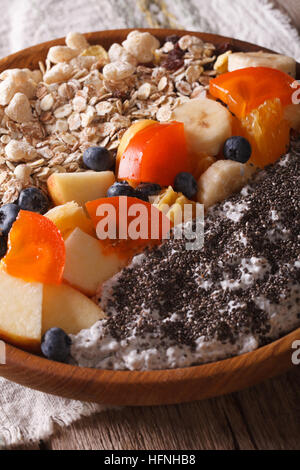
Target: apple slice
87,266
79,187
67,308
69,216
21,312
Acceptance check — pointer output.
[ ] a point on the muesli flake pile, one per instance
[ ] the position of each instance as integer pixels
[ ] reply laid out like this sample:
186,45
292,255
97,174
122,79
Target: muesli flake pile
85,96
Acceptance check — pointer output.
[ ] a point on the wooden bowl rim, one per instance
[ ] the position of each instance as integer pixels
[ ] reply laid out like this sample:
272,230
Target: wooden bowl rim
36,364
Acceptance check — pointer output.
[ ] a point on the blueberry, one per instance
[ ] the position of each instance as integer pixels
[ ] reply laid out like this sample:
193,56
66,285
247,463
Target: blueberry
147,189
98,159
8,214
185,183
237,148
3,246
56,345
33,199
121,188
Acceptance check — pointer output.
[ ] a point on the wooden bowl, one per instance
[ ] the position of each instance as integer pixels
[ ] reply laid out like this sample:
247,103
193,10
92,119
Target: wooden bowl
151,387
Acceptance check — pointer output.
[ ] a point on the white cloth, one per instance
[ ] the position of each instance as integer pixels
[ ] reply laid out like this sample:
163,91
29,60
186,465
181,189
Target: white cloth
27,415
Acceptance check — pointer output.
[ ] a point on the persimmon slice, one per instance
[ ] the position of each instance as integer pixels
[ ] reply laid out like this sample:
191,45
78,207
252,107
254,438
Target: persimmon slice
36,249
127,225
156,154
245,89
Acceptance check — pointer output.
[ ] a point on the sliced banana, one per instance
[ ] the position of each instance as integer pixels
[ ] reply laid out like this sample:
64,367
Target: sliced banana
207,125
221,179
292,115
241,60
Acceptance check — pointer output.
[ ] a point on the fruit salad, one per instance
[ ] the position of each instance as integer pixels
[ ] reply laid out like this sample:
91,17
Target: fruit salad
106,156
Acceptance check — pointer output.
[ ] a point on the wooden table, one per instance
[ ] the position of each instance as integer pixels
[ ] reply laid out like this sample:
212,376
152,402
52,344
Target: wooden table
263,417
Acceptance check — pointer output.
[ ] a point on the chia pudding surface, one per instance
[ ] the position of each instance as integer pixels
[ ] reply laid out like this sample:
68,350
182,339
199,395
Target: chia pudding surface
174,308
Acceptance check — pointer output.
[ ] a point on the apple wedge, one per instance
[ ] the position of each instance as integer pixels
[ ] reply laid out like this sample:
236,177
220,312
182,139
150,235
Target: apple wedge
67,308
69,216
79,187
87,266
21,312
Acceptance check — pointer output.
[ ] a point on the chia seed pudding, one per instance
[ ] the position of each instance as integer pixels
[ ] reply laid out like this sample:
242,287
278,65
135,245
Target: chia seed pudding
176,308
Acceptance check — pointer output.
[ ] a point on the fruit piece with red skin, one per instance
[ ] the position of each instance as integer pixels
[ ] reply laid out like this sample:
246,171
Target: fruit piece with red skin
36,249
245,89
155,154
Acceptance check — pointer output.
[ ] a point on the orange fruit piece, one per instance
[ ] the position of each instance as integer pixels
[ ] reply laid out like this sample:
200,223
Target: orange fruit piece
245,89
36,249
129,224
155,154
267,131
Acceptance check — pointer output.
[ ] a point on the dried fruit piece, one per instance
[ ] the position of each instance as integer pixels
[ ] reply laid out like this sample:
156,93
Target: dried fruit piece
172,204
97,51
174,59
36,250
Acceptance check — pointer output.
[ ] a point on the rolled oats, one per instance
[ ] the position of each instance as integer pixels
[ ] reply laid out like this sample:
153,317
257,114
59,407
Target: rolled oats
79,103
47,102
164,113
193,72
74,121
144,91
63,111
22,172
103,108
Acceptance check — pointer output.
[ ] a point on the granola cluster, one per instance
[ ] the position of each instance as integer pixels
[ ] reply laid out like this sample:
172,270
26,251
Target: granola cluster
84,95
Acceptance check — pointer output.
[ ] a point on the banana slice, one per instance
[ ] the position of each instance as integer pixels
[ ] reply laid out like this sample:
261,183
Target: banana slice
241,60
221,179
292,115
207,125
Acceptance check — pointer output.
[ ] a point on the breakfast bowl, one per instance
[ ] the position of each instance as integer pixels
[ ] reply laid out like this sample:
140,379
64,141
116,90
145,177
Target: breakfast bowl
145,387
